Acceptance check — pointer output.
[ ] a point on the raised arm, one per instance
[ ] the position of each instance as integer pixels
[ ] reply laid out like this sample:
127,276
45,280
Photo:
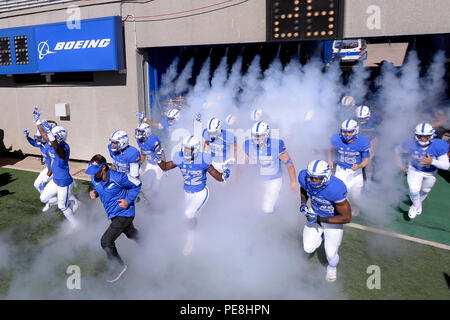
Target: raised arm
291,169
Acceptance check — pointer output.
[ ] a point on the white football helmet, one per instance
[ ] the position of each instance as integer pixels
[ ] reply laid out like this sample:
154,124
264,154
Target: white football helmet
38,137
256,114
362,114
424,130
59,133
318,169
121,138
260,133
190,148
214,127
348,101
143,131
173,115
349,126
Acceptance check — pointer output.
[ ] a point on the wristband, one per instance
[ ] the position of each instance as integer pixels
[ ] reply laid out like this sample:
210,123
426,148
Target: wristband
38,122
323,219
289,161
144,120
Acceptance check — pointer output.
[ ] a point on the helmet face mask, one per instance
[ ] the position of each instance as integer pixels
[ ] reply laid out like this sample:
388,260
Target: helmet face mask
349,130
60,133
119,141
190,148
214,128
38,138
362,114
260,133
318,173
142,132
424,134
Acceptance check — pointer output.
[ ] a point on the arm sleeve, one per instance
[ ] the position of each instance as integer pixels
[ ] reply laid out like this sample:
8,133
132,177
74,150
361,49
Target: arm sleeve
32,142
282,147
441,162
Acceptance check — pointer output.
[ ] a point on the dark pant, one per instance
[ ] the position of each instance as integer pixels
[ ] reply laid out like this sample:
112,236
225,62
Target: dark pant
118,226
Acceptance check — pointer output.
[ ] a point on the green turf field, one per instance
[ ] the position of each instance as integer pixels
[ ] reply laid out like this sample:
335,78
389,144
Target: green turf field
408,270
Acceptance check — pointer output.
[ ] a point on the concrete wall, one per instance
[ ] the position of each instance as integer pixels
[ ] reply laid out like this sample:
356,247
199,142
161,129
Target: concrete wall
197,22
374,18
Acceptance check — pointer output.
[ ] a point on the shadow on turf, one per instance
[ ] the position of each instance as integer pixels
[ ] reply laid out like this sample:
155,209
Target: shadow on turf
6,178
447,279
5,193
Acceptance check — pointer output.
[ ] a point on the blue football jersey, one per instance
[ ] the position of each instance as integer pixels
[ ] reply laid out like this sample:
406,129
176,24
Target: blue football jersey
44,148
60,167
437,148
194,174
123,159
267,157
118,186
165,123
323,200
370,127
151,148
222,146
351,153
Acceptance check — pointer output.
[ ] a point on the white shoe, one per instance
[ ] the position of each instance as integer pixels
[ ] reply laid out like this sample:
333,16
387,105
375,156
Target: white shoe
74,205
419,210
331,274
189,244
116,276
412,213
47,206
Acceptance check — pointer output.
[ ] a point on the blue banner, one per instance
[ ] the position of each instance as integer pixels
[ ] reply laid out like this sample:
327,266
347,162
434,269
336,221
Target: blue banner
96,45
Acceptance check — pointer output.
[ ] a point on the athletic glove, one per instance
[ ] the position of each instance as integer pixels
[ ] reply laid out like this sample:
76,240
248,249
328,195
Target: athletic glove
26,133
198,116
311,217
36,116
42,185
226,174
304,209
140,116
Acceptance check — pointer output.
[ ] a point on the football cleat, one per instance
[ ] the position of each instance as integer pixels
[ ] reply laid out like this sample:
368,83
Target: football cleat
47,206
412,213
116,274
331,274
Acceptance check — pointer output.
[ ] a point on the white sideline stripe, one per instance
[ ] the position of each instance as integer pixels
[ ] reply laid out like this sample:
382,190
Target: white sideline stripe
398,235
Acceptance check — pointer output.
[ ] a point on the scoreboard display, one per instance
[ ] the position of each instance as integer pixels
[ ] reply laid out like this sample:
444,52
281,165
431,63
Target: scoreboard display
5,52
289,20
21,48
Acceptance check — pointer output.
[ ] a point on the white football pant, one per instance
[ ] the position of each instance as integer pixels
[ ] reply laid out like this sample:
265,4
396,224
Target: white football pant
420,184
54,194
312,239
353,180
150,176
41,178
194,202
272,189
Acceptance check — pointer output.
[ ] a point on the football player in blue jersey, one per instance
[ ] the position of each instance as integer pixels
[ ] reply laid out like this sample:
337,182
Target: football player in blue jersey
368,127
353,154
46,174
151,152
425,154
118,192
173,115
221,143
125,158
327,212
268,153
194,165
346,108
59,189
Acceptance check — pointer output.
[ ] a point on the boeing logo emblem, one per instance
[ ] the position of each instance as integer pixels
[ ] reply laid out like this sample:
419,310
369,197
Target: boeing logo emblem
44,48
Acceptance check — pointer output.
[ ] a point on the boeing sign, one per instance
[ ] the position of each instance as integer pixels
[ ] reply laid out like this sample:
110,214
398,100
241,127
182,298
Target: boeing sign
96,46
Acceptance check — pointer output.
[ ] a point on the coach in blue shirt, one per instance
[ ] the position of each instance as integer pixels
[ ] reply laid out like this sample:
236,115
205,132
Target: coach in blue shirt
117,191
